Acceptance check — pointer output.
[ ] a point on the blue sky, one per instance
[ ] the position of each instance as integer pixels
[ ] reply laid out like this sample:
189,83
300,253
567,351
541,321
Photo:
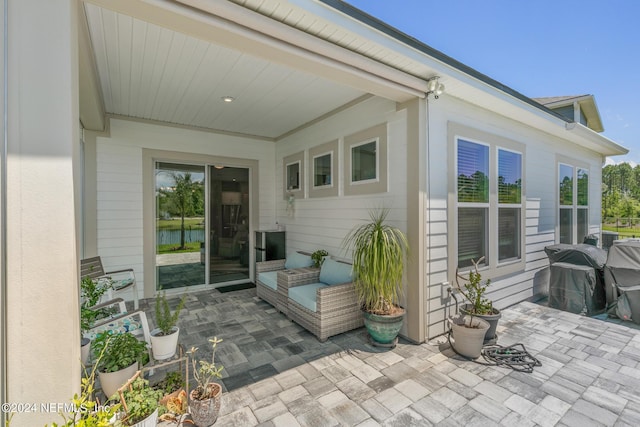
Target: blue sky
539,48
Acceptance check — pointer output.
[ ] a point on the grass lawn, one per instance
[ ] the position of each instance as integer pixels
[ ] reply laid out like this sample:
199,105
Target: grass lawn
172,249
623,231
174,224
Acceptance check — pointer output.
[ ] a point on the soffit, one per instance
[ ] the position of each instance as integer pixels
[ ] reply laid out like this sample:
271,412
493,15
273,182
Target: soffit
151,72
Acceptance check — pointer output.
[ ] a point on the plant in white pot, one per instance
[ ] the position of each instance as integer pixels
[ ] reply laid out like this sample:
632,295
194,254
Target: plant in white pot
140,402
379,253
121,356
204,400
474,290
91,291
164,338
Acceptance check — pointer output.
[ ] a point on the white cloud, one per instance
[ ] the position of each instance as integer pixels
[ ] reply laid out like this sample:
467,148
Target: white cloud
611,161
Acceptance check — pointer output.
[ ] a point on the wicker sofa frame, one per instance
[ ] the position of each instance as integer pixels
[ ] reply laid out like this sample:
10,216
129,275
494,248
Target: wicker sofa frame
337,308
263,291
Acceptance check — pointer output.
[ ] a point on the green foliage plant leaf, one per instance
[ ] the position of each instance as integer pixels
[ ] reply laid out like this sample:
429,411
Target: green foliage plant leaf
164,318
204,371
474,289
379,253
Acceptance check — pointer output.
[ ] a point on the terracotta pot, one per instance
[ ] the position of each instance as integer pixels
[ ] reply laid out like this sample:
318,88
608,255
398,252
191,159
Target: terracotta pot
205,412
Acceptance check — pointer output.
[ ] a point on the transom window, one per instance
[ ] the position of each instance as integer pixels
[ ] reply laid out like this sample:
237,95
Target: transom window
487,197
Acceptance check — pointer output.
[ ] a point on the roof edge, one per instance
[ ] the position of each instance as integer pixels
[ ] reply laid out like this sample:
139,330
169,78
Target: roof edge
414,43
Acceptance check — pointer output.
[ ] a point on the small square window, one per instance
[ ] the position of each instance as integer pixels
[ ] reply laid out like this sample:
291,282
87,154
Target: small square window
293,176
322,170
364,162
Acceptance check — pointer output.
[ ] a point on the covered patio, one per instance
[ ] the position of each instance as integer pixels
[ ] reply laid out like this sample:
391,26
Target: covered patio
276,373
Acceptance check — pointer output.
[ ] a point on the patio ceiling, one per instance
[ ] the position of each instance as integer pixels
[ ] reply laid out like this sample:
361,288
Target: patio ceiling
178,69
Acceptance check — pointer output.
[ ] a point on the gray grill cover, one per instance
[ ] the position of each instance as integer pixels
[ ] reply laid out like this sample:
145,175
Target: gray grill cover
623,271
583,255
572,288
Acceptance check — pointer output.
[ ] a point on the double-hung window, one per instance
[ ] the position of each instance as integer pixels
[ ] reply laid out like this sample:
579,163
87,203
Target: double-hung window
573,203
486,215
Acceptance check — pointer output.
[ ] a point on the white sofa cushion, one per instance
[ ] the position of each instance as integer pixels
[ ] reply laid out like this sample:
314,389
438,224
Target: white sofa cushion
269,278
306,295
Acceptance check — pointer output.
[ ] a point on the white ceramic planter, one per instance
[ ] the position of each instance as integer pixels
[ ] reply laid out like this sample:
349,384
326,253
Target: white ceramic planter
150,421
85,347
468,335
164,346
110,382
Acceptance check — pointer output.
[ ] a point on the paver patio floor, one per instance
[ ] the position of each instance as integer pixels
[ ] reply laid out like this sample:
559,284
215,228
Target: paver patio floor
277,374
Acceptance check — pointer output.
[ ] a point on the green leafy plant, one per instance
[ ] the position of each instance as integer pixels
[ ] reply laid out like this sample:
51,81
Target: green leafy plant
204,371
318,257
379,253
173,381
164,318
90,293
119,351
474,289
139,400
88,412
92,290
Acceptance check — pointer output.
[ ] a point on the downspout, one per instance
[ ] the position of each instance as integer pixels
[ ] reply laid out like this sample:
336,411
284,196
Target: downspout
3,217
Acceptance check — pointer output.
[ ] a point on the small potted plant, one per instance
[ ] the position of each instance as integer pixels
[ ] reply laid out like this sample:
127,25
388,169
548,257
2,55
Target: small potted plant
164,338
91,413
318,257
174,397
122,355
140,402
91,291
204,400
379,257
474,290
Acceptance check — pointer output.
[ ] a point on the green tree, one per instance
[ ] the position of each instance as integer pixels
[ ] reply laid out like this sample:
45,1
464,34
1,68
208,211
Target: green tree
184,199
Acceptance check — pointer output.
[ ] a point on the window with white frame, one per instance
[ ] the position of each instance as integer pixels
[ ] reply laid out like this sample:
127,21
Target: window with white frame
323,170
293,176
365,161
573,203
487,197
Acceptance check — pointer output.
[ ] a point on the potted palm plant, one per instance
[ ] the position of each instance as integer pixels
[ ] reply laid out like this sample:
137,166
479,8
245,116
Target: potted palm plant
122,355
204,400
474,290
164,338
379,253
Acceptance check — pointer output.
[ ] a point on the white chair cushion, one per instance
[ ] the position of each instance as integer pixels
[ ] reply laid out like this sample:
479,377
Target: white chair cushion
269,278
306,295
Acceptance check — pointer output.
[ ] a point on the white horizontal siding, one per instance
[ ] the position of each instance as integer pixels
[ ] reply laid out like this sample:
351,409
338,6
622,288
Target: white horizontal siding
540,180
120,238
322,223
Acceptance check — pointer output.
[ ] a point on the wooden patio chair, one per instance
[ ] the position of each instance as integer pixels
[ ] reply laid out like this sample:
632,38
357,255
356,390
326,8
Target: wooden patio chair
121,279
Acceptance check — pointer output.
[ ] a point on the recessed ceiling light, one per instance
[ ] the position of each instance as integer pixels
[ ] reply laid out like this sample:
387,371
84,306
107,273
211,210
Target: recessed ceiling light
228,98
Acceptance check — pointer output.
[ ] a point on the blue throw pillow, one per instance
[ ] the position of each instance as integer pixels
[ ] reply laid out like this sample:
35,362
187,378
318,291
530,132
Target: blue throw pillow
334,272
298,260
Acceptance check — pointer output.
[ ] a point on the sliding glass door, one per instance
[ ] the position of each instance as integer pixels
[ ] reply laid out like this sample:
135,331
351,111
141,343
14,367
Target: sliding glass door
229,224
180,225
202,225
